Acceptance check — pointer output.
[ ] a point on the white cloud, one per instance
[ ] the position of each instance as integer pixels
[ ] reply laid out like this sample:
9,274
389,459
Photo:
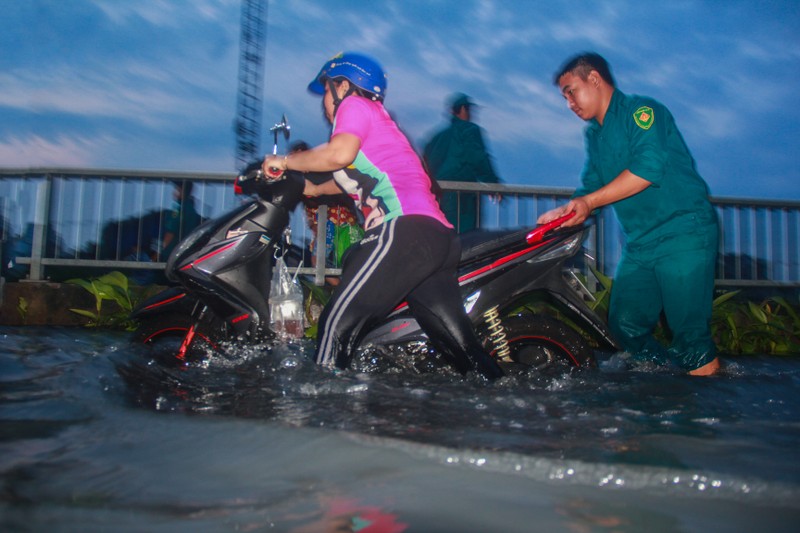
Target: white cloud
62,151
164,13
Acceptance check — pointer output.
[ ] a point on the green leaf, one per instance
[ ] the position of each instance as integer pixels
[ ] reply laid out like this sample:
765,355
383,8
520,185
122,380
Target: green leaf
602,278
87,314
757,312
88,285
719,300
115,279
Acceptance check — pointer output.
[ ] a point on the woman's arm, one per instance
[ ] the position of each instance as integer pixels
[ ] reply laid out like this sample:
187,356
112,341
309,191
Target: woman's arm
336,154
325,188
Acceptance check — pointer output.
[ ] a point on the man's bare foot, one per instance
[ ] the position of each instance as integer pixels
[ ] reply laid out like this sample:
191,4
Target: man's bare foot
707,369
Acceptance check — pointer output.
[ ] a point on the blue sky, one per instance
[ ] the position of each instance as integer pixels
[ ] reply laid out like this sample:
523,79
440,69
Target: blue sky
151,84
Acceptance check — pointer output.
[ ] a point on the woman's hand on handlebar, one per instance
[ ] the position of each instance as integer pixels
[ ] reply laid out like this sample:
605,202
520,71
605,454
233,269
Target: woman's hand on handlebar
274,166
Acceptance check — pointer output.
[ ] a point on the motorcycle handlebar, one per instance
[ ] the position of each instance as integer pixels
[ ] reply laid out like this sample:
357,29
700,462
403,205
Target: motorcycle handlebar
274,172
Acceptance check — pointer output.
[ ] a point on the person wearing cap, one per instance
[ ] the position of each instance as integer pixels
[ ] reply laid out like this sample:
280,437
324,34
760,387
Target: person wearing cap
458,153
639,163
409,251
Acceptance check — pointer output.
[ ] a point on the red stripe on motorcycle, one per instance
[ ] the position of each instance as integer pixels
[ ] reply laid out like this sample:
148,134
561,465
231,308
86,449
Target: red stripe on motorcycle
165,302
500,262
401,326
240,318
180,329
210,255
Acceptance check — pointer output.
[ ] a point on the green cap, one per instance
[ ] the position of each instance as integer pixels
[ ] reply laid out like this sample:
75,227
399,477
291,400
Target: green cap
460,99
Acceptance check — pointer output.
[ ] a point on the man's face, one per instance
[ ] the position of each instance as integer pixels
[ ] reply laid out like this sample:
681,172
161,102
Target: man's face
582,96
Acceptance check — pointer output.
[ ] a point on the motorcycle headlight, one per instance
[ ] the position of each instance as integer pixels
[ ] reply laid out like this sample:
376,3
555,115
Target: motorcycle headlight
566,248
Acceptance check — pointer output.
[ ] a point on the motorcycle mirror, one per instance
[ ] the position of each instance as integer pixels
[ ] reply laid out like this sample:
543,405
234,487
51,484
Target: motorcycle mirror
287,127
282,126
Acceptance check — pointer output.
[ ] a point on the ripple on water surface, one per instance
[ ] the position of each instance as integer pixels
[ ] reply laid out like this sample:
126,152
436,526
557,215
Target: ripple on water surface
243,434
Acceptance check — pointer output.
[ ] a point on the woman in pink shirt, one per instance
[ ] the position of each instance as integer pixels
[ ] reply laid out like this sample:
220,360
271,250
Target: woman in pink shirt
409,251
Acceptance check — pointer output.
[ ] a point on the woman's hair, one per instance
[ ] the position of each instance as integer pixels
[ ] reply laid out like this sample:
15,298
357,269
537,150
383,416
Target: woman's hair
582,64
355,89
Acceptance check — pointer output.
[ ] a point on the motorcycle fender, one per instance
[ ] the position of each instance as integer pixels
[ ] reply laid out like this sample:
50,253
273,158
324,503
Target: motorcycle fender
169,300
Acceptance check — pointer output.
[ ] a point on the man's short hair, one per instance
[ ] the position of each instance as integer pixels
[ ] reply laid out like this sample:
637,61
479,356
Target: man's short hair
582,64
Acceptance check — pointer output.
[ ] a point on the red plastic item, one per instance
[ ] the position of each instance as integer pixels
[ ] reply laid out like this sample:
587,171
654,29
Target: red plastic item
539,232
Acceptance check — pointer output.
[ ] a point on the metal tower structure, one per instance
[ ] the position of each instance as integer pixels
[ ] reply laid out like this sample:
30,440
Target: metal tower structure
252,42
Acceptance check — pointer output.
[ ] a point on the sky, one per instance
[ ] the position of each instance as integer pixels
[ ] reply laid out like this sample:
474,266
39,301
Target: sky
152,84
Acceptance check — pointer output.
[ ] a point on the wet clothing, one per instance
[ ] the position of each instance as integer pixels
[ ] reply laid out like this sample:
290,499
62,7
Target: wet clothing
458,153
670,228
409,250
675,278
412,258
386,180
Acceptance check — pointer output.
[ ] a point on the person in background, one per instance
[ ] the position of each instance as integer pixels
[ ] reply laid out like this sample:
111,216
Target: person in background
458,153
639,163
409,250
342,228
181,219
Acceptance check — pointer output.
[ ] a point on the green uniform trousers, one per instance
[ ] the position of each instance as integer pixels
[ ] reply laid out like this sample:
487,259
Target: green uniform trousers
676,276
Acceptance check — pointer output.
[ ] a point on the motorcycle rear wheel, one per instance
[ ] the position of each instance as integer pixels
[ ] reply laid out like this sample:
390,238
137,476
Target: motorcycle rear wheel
164,334
543,343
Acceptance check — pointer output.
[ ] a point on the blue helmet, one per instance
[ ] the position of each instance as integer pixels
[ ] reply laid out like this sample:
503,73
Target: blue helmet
360,70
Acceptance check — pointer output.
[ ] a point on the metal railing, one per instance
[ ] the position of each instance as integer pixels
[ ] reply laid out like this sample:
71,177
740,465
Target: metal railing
112,219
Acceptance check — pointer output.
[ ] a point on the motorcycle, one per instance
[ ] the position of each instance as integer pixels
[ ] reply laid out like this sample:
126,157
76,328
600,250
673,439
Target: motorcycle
222,273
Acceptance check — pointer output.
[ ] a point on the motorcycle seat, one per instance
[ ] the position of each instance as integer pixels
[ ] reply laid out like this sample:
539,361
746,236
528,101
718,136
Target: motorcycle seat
478,244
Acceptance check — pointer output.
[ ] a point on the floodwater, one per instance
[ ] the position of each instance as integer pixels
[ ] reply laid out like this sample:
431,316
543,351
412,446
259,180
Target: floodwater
267,441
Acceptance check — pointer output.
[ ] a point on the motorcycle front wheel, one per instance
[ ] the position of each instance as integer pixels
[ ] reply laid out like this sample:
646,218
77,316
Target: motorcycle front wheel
164,335
541,342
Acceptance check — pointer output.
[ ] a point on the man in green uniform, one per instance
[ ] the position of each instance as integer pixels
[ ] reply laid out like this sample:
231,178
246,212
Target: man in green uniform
458,153
639,163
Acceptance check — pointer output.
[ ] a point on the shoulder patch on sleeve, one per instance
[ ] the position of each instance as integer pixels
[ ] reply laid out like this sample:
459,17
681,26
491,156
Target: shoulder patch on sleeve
644,117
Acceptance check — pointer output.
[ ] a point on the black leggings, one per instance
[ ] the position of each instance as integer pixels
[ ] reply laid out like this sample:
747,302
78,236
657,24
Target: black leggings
412,258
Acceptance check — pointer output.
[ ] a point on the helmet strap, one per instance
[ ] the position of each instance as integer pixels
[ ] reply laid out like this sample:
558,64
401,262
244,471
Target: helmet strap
334,95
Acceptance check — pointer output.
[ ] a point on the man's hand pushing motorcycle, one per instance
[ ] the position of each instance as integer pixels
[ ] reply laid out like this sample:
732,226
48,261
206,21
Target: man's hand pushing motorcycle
580,206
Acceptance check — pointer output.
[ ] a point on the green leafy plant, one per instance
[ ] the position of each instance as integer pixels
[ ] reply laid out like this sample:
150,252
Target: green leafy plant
112,287
739,325
602,296
316,299
22,308
771,326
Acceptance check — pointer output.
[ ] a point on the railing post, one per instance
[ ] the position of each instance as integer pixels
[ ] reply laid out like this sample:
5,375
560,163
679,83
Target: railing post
320,252
40,222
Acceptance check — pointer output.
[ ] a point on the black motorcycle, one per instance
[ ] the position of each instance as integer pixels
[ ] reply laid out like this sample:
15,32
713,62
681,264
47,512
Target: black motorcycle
514,285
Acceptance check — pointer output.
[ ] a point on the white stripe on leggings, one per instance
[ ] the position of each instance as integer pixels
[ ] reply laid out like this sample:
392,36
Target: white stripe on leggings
385,240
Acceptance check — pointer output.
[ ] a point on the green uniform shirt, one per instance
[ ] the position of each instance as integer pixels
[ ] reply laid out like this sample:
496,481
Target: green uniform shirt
639,134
